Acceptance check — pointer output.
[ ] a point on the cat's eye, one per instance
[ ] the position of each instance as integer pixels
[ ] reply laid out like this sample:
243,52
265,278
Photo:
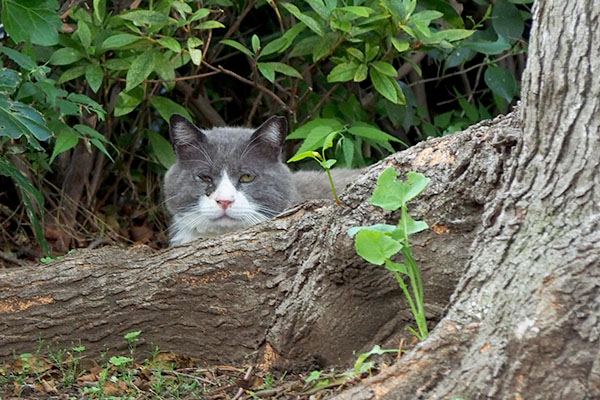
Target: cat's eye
246,178
204,178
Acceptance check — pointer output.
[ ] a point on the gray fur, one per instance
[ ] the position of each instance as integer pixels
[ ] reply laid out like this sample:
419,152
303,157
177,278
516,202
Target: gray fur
237,151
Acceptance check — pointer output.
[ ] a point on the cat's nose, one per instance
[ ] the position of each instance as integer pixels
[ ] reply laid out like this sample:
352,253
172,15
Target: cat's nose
225,204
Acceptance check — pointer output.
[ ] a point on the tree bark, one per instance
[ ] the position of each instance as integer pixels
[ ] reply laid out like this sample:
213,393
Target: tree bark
523,322
290,291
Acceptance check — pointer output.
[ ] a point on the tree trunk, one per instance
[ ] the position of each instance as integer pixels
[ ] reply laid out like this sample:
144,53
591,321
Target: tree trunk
291,290
523,322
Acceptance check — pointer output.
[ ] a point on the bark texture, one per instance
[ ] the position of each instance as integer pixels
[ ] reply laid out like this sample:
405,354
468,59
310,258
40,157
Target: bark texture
524,320
290,290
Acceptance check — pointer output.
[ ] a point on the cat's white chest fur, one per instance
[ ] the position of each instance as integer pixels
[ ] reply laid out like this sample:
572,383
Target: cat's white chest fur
224,210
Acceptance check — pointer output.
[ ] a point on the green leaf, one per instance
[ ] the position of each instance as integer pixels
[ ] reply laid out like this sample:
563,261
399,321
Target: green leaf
425,17
310,22
501,82
238,46
306,154
342,72
507,21
147,18
401,46
23,60
199,14
390,194
323,46
384,85
450,35
412,227
162,149
120,360
450,14
348,150
165,70
328,143
357,10
209,25
182,8
36,21
84,34
170,44
315,138
487,47
89,104
99,11
304,130
30,193
196,56
255,43
9,81
64,142
356,53
470,110
94,76
120,40
282,43
95,138
141,67
328,164
319,7
127,102
385,68
18,119
366,131
361,73
376,247
117,64
167,107
65,56
194,42
268,69
377,227
396,267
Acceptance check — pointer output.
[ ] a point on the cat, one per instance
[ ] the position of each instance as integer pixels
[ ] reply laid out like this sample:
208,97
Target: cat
229,178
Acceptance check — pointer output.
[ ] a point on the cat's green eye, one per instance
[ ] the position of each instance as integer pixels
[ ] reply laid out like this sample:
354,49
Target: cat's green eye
246,178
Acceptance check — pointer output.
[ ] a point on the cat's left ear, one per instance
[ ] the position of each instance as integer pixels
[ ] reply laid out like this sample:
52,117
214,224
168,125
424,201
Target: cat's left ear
271,135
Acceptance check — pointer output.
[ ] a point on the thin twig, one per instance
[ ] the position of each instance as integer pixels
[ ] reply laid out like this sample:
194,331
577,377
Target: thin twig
180,78
249,82
320,103
439,78
240,391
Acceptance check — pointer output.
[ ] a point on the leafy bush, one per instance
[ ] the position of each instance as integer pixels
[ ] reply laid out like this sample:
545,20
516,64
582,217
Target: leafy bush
87,87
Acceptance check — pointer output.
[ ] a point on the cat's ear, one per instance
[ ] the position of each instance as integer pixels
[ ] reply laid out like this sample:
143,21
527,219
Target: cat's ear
270,136
185,137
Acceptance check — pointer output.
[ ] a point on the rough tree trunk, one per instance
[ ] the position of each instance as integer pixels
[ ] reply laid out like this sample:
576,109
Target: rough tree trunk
290,289
524,320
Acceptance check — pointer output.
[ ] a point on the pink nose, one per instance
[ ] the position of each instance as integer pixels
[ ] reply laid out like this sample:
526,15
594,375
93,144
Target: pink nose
225,204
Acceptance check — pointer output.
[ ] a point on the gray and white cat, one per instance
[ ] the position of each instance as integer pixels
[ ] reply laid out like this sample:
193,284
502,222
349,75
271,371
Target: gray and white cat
230,178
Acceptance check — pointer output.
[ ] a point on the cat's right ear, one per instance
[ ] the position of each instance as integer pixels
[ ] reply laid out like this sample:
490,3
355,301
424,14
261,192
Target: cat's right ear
185,137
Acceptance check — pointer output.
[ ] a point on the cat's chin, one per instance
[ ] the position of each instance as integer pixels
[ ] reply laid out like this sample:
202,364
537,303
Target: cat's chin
225,223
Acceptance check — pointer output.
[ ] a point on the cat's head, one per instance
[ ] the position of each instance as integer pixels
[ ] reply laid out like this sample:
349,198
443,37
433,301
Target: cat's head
226,178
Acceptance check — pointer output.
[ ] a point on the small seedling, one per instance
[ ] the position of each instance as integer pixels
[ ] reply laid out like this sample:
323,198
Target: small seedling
132,338
325,163
379,243
363,366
